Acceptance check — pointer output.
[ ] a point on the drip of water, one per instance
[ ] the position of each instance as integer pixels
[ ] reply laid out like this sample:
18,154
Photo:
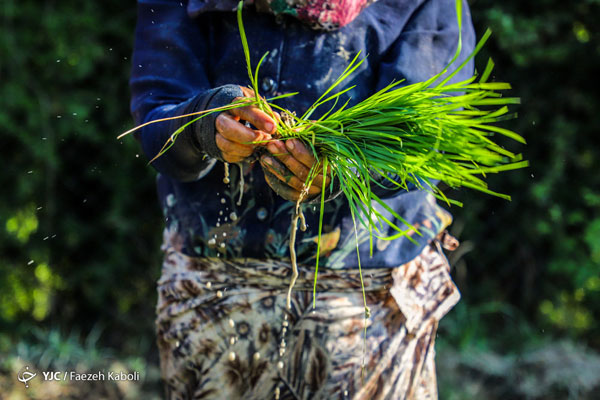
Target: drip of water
295,217
241,165
226,178
302,221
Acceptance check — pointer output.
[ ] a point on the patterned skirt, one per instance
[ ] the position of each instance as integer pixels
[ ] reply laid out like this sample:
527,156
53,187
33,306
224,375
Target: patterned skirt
224,331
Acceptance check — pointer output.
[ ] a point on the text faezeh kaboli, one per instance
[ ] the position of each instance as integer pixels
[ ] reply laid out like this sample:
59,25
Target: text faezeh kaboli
99,376
94,376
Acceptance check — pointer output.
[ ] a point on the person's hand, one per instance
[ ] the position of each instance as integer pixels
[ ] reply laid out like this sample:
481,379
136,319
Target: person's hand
234,139
287,166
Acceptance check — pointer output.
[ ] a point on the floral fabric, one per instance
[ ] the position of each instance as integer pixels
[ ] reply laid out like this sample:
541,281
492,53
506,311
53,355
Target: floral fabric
318,14
224,331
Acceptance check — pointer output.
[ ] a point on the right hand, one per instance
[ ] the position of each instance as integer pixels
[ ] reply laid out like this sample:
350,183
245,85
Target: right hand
234,139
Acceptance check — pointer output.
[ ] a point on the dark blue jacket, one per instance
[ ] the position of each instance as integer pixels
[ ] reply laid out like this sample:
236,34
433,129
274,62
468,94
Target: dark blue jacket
186,58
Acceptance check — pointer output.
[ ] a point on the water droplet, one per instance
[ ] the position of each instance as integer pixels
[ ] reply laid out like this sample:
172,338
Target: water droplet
44,138
58,60
261,214
85,200
53,236
256,356
59,116
137,156
171,200
231,323
46,238
233,216
232,356
232,340
139,65
124,58
152,10
74,114
223,200
219,294
532,176
30,262
217,224
30,172
212,241
220,212
224,234
222,245
110,49
208,285
39,208
280,365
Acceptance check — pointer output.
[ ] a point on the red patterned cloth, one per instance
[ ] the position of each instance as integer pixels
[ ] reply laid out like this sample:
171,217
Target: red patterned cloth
319,14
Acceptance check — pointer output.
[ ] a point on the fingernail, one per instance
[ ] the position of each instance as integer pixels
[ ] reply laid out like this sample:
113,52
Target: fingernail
281,146
290,144
272,147
267,160
269,126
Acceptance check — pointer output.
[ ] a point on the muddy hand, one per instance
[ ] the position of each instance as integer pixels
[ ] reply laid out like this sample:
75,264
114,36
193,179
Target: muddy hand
286,167
237,141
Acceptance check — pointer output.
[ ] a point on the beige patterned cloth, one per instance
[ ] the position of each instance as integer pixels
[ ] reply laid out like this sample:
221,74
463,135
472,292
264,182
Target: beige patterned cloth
224,331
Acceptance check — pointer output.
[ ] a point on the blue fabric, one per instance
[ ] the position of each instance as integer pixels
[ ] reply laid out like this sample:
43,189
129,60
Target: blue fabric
183,54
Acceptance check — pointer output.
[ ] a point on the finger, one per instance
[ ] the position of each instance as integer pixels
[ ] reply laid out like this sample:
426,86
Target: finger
280,188
229,147
300,152
304,154
236,132
318,181
285,175
249,93
279,150
256,117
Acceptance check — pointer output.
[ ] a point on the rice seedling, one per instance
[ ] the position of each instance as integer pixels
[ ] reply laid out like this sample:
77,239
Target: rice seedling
416,134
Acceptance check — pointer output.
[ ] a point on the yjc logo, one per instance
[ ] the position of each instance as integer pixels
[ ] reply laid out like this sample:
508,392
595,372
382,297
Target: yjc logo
25,376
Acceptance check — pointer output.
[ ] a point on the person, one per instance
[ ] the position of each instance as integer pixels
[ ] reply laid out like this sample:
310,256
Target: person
227,188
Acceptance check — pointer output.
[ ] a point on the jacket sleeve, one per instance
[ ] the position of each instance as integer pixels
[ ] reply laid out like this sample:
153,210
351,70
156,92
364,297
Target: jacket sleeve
169,78
424,48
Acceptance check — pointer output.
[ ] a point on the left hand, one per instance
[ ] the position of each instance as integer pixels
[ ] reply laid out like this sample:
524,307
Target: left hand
287,167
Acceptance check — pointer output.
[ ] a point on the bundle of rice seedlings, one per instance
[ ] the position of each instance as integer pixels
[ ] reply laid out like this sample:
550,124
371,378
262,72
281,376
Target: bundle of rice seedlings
403,134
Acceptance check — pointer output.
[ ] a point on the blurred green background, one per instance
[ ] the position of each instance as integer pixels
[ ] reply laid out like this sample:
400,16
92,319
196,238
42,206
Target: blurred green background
80,226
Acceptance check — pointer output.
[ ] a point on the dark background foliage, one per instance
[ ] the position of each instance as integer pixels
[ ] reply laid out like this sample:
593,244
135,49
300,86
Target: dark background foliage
80,228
